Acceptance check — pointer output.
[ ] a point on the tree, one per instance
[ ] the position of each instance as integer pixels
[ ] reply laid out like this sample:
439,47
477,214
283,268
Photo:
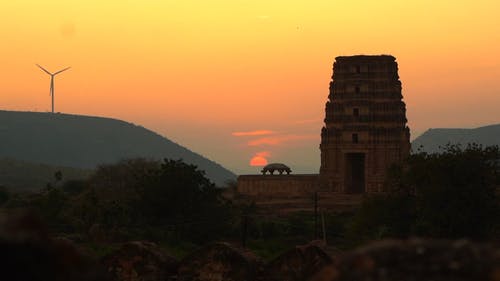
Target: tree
444,195
382,216
4,195
455,191
108,198
152,200
178,196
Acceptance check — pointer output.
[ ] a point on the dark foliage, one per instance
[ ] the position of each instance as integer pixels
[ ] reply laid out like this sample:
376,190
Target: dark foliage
21,176
179,197
132,199
4,195
443,195
455,192
390,215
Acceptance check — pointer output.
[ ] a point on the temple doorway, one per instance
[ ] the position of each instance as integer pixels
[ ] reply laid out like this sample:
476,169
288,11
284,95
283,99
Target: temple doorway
354,172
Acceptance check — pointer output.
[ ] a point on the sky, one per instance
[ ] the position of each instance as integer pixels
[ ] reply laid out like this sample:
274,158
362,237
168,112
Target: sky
245,82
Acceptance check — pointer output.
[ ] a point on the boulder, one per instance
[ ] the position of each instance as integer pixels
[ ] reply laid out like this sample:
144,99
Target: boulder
416,260
139,260
220,262
28,253
298,264
97,234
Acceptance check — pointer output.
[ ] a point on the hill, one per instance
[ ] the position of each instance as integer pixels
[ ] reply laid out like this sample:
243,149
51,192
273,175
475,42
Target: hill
85,142
432,139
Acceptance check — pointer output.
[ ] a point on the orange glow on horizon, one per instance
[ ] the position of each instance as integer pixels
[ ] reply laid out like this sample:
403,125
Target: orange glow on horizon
253,133
279,140
206,73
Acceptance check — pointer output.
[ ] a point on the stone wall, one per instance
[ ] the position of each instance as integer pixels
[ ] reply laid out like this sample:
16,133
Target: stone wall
287,186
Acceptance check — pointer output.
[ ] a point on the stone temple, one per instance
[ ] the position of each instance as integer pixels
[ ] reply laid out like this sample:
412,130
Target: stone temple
365,132
365,124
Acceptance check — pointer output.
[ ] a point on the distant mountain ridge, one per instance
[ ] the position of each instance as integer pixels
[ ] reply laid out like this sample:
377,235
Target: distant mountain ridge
86,141
432,139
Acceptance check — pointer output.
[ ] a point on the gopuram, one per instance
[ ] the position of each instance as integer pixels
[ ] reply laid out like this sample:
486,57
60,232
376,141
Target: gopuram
365,124
365,132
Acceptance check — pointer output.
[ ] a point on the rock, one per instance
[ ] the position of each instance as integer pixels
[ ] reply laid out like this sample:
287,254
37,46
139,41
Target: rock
220,262
417,260
297,264
139,260
97,234
28,253
23,225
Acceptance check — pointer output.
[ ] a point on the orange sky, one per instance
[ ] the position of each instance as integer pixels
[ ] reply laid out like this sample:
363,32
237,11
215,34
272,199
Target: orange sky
200,71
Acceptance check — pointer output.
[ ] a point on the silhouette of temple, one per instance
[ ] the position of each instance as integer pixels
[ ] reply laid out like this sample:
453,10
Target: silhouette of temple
365,124
365,132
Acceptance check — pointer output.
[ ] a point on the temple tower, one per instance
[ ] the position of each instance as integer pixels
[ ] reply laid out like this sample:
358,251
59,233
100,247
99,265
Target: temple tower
365,124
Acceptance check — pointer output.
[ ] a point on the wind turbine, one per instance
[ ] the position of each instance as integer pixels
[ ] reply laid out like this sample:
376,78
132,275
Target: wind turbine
52,81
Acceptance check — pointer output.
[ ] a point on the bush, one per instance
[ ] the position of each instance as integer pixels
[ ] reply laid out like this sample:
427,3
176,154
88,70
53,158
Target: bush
442,195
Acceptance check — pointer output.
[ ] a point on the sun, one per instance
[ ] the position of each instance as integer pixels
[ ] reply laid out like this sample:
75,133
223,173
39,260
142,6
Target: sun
259,159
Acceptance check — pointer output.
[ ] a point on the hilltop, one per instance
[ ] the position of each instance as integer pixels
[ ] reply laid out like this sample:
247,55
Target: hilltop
432,139
85,142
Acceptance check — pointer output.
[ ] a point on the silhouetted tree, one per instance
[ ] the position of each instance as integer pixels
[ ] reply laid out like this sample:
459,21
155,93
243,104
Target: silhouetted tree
455,191
4,195
109,197
152,200
180,197
445,195
58,176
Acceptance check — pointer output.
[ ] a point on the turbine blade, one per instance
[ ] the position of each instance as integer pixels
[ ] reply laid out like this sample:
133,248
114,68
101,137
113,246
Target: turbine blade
62,70
46,71
51,86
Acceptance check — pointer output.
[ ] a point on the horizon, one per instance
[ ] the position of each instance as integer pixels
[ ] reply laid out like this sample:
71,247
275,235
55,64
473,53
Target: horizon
236,80
257,168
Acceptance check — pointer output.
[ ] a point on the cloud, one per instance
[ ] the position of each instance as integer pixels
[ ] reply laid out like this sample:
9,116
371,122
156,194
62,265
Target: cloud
259,159
253,133
277,140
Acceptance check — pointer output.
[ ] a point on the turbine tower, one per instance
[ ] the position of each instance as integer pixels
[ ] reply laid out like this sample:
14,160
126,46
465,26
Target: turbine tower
52,81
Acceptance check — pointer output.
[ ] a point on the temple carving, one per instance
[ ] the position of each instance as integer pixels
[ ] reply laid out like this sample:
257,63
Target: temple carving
365,127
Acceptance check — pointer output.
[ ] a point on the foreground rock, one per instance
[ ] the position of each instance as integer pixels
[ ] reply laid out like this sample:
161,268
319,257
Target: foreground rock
298,264
140,260
220,262
27,253
416,260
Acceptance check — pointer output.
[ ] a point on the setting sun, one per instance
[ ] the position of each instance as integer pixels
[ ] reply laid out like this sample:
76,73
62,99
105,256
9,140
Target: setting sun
259,159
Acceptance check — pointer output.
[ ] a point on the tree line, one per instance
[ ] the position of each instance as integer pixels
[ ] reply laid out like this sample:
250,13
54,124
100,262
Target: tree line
452,194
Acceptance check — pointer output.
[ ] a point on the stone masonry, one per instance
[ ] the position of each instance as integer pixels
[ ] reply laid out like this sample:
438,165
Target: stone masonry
365,124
